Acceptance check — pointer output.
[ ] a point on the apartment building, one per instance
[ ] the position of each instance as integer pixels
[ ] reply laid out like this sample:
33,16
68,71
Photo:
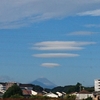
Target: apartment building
97,85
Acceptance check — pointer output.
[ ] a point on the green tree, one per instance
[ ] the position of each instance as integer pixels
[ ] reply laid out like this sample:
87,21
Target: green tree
37,88
89,98
78,87
70,97
16,96
13,90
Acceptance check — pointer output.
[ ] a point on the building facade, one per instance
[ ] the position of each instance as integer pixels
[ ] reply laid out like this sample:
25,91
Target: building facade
97,85
2,87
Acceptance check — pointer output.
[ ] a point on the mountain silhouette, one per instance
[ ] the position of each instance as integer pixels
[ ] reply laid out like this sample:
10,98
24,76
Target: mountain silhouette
44,82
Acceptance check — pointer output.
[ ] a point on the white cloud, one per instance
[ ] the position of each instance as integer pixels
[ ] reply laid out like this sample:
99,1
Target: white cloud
92,25
61,45
91,13
19,13
58,48
50,65
82,33
55,55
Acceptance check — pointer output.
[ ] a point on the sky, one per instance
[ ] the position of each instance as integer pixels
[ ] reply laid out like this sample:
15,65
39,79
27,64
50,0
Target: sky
55,39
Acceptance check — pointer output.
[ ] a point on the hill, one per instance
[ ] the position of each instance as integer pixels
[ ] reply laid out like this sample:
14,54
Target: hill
43,82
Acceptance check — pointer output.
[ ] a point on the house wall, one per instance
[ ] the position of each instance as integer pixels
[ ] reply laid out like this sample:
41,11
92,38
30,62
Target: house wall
83,96
9,85
2,88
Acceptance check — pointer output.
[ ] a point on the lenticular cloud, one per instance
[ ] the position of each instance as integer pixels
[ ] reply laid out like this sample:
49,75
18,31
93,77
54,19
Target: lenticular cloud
61,45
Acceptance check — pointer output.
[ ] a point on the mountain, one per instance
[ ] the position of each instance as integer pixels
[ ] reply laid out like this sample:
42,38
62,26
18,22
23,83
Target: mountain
43,82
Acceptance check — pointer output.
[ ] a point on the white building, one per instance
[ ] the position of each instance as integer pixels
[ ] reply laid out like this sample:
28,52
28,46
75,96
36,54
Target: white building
59,94
52,95
2,87
33,92
97,85
83,95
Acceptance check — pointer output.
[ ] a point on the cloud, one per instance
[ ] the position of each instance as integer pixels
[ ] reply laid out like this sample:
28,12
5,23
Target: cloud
50,65
61,45
92,25
90,13
82,33
20,13
55,55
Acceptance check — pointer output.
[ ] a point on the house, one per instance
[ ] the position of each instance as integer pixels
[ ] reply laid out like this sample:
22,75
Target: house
9,84
33,92
83,95
2,87
52,95
27,90
97,85
96,93
63,93
25,86
59,94
44,92
26,93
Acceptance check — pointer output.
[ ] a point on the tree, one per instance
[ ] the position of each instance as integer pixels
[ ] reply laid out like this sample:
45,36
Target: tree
89,98
16,96
13,90
70,97
37,88
78,87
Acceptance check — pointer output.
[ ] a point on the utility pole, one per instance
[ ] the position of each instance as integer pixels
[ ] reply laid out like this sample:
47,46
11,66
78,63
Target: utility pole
80,87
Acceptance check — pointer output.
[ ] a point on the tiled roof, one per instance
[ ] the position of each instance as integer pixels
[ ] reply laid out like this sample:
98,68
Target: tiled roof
26,92
84,92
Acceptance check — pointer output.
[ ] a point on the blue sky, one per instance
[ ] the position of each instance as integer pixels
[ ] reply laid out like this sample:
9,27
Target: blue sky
55,39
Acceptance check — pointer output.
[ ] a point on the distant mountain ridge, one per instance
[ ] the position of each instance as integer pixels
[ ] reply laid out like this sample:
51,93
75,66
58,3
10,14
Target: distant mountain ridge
44,82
